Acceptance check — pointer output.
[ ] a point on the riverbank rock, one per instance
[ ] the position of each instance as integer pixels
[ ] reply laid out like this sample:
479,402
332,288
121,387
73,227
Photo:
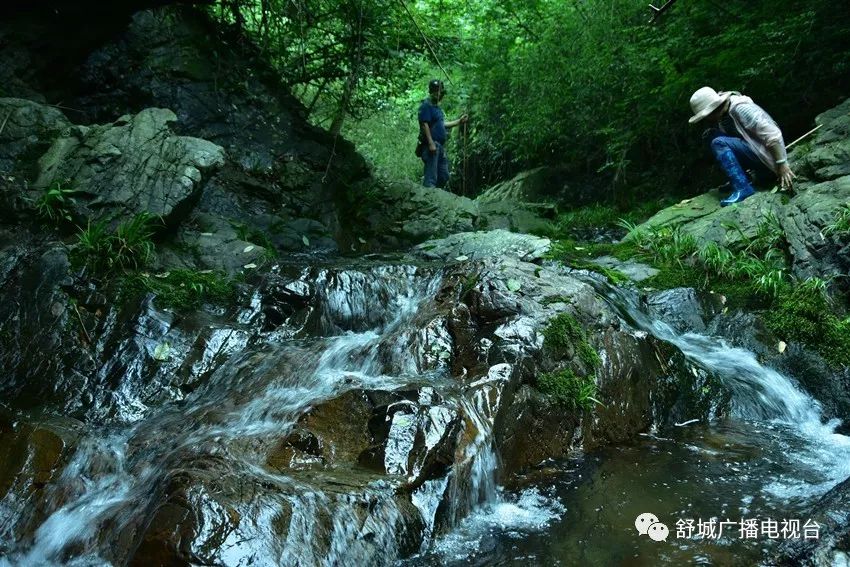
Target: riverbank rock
821,193
131,166
396,214
525,203
484,244
832,546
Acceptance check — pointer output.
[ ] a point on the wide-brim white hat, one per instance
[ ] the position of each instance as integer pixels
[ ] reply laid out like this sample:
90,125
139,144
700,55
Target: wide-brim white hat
705,101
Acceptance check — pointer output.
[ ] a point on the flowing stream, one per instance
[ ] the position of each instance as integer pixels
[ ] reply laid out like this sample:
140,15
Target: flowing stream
768,461
367,338
771,456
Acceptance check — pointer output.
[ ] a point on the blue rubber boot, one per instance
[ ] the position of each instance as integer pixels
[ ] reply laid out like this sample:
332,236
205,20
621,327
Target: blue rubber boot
736,197
741,186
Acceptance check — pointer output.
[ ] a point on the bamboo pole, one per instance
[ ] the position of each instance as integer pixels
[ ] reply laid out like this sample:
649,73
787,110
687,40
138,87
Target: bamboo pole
806,135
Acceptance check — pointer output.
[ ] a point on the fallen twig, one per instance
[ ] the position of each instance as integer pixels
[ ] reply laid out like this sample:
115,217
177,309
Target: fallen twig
9,114
83,325
657,11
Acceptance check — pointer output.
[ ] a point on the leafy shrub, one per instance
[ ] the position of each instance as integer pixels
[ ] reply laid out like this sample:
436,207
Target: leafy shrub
129,247
55,203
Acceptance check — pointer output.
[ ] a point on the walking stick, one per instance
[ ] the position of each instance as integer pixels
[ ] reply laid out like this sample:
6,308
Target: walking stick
806,135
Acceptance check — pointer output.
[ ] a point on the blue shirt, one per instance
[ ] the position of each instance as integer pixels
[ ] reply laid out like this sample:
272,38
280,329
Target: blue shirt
436,120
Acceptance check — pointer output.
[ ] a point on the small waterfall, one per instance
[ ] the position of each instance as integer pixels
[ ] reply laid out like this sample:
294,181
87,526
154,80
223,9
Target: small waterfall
759,394
113,480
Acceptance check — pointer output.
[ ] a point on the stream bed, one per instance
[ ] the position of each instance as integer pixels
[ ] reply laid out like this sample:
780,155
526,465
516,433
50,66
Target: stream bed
727,491
583,512
338,436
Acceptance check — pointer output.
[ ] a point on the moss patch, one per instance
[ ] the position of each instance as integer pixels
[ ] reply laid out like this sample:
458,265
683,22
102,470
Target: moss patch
181,289
563,337
568,389
579,256
806,316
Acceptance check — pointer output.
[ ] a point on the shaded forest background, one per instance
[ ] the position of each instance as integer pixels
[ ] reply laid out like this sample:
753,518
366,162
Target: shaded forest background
589,85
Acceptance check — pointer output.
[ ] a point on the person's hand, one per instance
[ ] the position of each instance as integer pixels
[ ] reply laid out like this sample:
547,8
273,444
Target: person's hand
463,119
786,176
432,147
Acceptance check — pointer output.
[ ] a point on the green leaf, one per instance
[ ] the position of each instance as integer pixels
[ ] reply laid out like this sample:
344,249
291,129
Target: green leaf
162,352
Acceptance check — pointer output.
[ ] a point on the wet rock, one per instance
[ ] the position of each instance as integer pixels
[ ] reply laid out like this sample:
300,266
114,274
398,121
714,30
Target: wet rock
536,429
32,456
31,326
131,166
645,383
684,308
478,245
340,427
832,546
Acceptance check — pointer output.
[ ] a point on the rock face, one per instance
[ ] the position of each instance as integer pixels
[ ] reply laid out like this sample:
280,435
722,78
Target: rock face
29,129
343,410
128,84
131,166
822,190
832,547
278,164
484,244
397,214
524,203
400,214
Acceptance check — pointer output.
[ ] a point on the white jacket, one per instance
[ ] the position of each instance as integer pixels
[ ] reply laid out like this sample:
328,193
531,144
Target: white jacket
758,129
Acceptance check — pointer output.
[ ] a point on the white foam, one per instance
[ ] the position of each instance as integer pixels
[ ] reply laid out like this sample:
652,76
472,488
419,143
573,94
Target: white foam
530,511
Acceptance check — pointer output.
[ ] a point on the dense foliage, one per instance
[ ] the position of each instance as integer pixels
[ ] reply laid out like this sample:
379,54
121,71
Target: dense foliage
593,84
590,84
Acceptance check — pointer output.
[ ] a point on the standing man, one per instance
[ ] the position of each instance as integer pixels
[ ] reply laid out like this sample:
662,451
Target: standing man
434,132
745,136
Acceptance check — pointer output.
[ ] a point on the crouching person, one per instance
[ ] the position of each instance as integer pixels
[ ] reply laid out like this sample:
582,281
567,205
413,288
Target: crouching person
744,137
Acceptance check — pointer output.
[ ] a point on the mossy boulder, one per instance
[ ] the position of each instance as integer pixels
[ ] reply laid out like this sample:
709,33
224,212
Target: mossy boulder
134,165
820,194
29,128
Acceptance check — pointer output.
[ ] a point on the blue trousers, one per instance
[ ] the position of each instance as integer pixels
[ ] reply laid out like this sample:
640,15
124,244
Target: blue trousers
436,167
734,156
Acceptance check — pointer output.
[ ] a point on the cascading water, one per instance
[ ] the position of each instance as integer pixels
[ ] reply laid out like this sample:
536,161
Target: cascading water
372,330
365,338
771,458
759,394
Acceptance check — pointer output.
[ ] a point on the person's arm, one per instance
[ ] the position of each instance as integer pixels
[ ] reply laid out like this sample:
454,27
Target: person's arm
454,123
762,126
426,131
783,170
